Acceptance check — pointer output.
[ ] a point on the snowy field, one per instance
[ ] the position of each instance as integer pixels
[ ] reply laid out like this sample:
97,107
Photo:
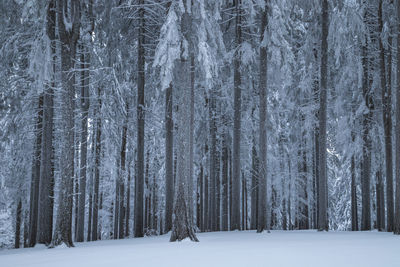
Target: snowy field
244,249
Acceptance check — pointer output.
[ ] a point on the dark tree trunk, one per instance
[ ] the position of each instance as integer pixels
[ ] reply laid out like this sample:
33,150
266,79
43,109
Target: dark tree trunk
354,206
263,223
18,224
45,224
322,188
396,228
90,221
366,161
34,194
225,211
237,99
139,181
68,38
169,160
387,123
128,201
380,202
122,176
85,59
254,188
97,170
213,160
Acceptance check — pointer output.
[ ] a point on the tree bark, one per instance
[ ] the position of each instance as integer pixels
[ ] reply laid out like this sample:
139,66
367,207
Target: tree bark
139,181
169,160
366,161
237,99
322,188
225,212
68,39
387,123
354,206
396,228
95,215
34,194
18,225
182,226
262,179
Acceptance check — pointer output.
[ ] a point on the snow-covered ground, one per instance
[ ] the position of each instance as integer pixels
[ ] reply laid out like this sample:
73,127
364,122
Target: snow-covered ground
244,249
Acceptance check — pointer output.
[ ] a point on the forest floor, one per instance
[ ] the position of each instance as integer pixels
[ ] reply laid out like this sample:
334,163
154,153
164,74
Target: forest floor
246,248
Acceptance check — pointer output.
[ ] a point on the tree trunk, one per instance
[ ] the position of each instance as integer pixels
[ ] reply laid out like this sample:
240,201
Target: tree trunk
225,211
387,123
122,176
354,206
237,99
366,161
68,38
213,161
396,228
89,224
45,224
85,59
322,188
128,201
380,202
34,194
95,217
18,224
139,181
262,179
182,226
169,160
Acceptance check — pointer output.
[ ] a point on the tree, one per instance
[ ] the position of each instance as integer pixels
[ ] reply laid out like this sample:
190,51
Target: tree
367,116
46,191
387,123
139,181
396,228
237,105
182,225
323,186
169,159
68,38
263,224
95,214
85,103
34,196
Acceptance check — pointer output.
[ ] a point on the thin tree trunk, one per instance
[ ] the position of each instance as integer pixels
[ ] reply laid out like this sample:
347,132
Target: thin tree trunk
237,99
128,201
354,212
322,188
169,160
122,176
396,228
18,224
262,178
139,181
225,211
213,160
97,170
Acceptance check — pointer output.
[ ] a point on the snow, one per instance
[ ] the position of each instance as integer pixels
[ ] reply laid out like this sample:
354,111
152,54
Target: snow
276,249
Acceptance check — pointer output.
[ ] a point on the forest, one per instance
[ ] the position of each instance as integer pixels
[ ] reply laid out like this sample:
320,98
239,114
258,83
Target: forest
141,118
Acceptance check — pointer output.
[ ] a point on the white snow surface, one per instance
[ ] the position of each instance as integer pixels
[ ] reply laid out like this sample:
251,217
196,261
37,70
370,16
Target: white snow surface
244,249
